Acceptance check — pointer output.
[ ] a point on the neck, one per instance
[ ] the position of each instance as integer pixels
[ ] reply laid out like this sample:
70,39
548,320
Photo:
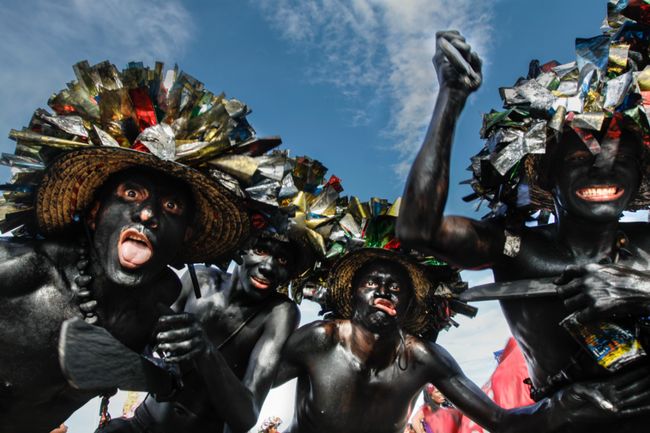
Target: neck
586,239
376,347
236,294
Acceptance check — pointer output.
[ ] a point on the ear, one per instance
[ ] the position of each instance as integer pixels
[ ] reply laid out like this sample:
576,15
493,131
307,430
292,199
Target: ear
91,217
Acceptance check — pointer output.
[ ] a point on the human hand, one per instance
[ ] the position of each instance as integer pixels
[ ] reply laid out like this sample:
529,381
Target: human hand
457,66
180,337
621,396
602,292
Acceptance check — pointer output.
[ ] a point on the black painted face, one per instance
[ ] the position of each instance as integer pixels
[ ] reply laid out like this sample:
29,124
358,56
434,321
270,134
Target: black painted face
383,293
140,220
266,266
596,193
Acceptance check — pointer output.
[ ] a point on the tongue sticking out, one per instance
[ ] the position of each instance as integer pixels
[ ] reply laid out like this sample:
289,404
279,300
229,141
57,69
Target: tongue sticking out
133,253
385,306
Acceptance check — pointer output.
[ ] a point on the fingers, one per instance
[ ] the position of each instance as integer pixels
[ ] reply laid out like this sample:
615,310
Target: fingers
570,288
599,399
570,272
178,335
455,57
186,357
577,302
629,379
175,321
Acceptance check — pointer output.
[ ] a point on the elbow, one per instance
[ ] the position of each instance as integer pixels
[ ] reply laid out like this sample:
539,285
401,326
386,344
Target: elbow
412,236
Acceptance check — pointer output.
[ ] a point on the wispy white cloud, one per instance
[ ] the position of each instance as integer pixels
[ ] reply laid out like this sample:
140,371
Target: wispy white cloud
382,48
42,39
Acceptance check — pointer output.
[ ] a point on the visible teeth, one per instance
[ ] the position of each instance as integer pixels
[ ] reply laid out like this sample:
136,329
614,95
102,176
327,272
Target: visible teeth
591,192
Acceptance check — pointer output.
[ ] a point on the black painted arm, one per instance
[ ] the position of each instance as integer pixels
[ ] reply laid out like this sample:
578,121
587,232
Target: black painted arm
421,224
571,409
265,357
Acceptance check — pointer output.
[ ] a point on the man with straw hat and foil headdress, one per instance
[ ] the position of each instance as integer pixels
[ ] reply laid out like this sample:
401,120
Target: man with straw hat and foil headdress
572,140
363,371
106,194
242,317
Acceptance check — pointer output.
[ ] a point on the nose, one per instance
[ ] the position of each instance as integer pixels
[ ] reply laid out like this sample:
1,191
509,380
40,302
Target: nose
266,267
147,216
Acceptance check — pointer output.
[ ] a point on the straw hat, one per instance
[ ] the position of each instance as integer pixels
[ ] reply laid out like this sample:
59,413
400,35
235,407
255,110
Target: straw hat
342,293
107,121
70,183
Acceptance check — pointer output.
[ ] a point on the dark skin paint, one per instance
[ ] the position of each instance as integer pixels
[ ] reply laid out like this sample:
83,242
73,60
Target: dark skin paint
352,378
37,295
227,385
584,234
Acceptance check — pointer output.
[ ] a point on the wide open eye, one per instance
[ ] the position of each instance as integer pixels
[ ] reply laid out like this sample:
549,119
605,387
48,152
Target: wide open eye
173,206
371,283
132,192
282,260
261,251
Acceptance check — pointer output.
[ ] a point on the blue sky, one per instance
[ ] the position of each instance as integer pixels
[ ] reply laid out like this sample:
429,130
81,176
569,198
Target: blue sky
349,82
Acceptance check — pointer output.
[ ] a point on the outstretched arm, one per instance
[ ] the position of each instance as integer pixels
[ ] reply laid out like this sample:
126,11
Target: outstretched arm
579,404
421,223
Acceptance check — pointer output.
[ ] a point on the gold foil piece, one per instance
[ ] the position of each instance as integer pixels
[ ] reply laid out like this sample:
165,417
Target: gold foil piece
394,209
643,79
240,166
44,140
557,122
357,209
618,54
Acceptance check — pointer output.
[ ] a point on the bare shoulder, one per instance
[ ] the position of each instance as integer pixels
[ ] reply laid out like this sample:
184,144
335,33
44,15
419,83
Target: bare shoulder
320,334
282,306
430,354
25,264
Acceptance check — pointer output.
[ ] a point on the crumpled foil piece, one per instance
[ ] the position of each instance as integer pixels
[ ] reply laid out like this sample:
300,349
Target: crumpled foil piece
520,144
105,139
72,124
265,192
273,166
592,121
593,50
288,188
350,225
617,89
160,141
538,96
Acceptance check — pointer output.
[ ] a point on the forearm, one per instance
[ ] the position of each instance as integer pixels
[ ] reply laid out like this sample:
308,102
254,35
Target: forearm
231,400
546,416
425,194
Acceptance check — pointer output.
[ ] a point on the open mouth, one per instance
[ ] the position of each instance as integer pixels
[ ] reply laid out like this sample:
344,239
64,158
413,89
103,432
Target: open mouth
600,193
386,306
260,283
133,249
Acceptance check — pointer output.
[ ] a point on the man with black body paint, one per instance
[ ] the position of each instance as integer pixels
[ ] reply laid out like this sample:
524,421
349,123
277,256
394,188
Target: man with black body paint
136,224
364,374
589,199
240,319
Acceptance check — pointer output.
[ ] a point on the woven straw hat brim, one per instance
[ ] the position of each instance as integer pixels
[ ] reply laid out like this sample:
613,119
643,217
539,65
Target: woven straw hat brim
69,185
342,274
543,199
